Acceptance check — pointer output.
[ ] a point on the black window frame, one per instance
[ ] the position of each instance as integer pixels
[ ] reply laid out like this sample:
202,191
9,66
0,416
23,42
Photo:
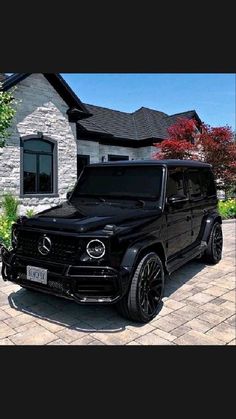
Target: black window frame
117,157
53,155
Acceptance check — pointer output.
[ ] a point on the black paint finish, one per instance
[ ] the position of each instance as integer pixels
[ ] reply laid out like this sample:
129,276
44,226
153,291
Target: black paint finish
129,227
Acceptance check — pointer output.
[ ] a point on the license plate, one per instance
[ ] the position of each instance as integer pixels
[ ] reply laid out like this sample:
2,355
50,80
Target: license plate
37,274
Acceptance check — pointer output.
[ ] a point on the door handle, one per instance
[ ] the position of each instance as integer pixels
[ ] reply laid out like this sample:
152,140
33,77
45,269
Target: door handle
188,218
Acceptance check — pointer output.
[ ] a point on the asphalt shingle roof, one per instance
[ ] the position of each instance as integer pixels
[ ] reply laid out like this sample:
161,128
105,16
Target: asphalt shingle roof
142,124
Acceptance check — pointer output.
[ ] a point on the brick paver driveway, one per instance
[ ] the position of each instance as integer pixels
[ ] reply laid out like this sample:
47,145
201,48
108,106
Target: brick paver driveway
198,309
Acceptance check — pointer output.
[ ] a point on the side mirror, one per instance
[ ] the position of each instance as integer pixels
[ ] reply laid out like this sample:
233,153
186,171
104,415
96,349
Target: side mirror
68,195
176,199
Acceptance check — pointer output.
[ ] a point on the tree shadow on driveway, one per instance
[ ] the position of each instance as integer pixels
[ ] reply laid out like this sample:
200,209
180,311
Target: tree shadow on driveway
67,314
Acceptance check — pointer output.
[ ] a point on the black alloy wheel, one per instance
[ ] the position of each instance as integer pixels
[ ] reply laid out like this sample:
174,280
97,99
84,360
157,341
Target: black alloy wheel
143,300
217,242
213,252
150,286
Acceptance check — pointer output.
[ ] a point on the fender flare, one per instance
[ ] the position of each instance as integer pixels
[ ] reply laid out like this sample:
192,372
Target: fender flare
133,252
209,221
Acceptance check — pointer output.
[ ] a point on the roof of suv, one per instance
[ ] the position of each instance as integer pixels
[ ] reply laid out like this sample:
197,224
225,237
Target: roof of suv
182,163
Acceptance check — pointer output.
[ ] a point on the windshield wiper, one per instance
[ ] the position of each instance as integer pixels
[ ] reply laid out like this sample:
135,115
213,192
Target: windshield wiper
109,198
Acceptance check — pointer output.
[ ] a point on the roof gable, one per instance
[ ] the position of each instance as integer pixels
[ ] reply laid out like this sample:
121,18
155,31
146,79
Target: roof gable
171,119
77,110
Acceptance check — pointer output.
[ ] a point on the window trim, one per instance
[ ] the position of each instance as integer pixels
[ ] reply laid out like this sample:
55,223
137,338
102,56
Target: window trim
55,193
124,157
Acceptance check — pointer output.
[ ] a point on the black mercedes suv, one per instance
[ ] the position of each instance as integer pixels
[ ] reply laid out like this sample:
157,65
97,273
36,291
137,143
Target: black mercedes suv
123,227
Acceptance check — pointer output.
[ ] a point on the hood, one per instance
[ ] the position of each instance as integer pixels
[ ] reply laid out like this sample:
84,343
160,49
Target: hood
85,217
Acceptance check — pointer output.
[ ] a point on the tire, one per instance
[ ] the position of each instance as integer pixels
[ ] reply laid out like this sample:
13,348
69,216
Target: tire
143,299
213,253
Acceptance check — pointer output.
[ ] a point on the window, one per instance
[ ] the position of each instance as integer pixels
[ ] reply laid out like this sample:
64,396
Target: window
194,184
38,165
82,161
120,181
208,183
113,157
175,182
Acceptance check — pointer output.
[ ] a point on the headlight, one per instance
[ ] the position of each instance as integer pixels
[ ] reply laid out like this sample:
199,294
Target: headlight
96,249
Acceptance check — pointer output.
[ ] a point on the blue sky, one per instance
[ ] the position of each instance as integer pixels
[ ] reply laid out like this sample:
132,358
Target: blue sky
211,95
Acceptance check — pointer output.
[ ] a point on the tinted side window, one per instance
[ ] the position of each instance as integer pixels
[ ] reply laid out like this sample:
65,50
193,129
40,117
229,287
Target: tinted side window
194,184
208,184
175,182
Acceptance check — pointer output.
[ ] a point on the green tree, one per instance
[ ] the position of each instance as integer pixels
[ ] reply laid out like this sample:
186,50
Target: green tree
7,112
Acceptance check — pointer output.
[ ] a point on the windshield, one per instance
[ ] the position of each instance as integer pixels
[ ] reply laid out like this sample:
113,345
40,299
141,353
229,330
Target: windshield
120,181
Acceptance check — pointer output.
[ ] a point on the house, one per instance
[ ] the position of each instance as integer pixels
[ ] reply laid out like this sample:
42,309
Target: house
54,135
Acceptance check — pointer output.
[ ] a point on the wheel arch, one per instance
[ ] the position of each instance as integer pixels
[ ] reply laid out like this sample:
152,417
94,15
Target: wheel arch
135,253
209,222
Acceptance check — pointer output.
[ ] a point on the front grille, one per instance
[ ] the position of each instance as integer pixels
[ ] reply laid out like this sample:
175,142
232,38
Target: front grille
64,249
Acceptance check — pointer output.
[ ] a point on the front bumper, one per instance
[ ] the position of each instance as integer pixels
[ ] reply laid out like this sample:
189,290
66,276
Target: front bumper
84,284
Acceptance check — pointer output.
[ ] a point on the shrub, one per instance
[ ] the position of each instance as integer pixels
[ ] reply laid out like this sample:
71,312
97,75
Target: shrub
227,208
5,230
7,112
10,206
7,218
30,212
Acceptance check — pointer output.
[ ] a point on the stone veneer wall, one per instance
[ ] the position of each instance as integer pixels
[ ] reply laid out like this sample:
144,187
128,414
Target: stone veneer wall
90,148
96,151
40,108
104,150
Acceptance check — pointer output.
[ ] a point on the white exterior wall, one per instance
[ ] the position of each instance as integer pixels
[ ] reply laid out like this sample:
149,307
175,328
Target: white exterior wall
97,151
104,150
146,152
90,148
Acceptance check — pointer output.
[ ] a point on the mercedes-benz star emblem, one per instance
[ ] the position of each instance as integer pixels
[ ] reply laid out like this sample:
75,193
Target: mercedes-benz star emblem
44,245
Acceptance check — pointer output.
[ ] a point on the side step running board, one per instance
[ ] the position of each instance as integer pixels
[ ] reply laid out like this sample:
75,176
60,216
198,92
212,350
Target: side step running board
186,257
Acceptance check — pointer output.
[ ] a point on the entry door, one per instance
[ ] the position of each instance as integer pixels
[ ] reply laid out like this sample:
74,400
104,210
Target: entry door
82,161
178,215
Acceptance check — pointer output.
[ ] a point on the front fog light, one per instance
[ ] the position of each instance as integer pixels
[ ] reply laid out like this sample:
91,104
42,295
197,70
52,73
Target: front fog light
96,249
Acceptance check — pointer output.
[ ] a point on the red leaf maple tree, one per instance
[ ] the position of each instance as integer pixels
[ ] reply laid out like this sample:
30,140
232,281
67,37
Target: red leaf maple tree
214,145
217,147
180,144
